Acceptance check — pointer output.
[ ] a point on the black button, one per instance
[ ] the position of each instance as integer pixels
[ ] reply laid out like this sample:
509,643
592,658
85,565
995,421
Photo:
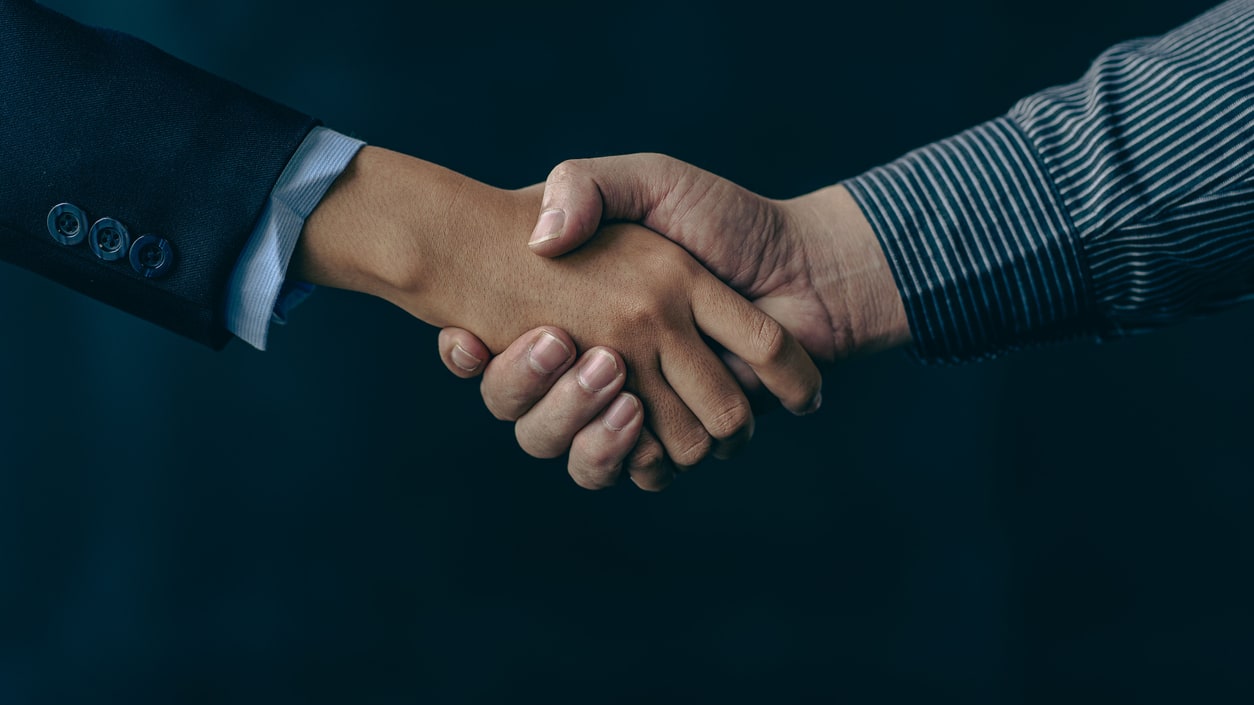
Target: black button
67,224
109,239
152,256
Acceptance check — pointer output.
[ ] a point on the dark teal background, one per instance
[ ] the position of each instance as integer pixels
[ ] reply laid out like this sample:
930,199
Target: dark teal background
338,520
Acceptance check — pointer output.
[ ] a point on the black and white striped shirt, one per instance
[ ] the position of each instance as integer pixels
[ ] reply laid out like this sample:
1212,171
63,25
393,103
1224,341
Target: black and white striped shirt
1106,207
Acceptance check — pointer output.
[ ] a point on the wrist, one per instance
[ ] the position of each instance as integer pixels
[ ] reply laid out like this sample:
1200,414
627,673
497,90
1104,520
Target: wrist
849,272
402,229
344,242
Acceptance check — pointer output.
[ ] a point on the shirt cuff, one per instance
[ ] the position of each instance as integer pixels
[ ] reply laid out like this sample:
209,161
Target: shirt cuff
258,294
981,247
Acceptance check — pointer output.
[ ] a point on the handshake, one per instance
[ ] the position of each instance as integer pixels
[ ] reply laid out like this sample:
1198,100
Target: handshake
689,301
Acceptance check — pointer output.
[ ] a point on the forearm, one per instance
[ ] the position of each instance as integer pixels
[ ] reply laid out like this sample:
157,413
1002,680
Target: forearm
381,227
444,247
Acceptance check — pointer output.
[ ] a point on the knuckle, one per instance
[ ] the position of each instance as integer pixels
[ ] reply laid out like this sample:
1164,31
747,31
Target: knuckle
693,450
732,420
770,342
598,460
497,412
648,456
659,160
592,479
596,455
534,444
566,171
654,482
510,391
601,457
504,406
639,313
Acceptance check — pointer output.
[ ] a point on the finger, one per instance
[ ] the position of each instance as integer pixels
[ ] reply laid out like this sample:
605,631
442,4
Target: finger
705,384
762,343
463,354
546,430
760,400
681,434
580,193
521,375
647,466
599,450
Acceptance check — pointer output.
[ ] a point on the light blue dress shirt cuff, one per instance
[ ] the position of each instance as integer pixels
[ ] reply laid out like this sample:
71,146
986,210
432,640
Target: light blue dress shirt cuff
258,294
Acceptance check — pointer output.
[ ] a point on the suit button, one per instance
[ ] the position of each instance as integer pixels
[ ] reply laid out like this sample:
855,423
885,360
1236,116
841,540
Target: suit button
109,239
67,224
152,256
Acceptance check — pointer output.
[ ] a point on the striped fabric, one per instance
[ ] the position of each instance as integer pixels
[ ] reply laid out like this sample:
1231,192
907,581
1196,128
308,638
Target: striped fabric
259,293
1111,206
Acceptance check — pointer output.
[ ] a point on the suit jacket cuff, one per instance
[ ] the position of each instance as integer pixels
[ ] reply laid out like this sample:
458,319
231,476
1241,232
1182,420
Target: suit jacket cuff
257,295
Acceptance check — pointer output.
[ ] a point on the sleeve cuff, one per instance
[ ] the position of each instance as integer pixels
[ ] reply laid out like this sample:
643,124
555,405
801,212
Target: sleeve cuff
257,294
982,250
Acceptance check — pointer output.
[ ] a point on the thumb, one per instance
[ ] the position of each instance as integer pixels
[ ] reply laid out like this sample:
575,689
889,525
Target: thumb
463,353
580,193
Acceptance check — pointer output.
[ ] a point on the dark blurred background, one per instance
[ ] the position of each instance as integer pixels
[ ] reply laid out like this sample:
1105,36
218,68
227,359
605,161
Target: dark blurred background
339,520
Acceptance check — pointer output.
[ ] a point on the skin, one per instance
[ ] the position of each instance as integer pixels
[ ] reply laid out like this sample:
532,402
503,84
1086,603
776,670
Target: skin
450,250
812,262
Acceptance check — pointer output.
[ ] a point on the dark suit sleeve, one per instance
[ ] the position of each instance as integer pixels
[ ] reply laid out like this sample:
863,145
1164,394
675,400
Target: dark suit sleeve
114,126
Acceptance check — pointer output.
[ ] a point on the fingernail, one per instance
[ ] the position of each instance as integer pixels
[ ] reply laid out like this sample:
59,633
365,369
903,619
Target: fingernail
598,371
547,353
549,227
465,360
621,412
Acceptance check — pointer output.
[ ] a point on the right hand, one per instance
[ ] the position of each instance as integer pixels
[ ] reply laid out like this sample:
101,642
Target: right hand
813,263
448,249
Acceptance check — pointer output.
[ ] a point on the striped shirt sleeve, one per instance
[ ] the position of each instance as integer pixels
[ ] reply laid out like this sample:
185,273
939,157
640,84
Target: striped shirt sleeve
259,292
1111,206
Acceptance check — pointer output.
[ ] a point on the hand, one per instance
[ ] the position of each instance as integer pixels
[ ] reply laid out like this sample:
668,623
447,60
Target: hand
812,263
450,250
556,409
